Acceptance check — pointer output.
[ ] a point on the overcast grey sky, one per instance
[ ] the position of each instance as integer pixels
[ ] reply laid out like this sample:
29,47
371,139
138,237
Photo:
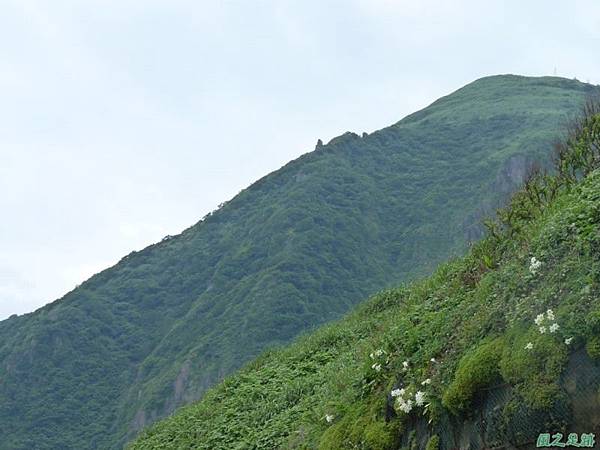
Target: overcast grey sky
122,121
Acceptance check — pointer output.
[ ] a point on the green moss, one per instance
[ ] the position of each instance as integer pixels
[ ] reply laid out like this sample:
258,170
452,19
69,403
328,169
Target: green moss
477,369
592,344
541,394
593,323
379,436
433,443
519,417
534,372
333,438
360,430
593,347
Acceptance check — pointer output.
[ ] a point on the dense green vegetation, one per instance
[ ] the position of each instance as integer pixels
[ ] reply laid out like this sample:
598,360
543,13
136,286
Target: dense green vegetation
296,249
511,311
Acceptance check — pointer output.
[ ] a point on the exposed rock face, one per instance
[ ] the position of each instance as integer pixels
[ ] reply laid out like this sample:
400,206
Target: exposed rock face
184,390
499,420
508,178
512,173
180,396
181,381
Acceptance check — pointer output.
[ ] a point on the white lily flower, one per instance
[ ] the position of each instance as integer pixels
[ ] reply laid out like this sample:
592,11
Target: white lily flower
529,346
534,265
539,319
406,406
420,398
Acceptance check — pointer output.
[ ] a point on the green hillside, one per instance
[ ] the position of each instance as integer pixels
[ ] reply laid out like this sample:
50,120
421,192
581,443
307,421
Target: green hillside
296,249
490,351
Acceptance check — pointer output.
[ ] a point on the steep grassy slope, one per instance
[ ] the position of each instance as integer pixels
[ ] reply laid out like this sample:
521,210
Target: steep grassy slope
514,313
297,248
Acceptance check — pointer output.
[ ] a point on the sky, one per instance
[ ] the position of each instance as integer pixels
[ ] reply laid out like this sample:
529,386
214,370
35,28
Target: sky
122,121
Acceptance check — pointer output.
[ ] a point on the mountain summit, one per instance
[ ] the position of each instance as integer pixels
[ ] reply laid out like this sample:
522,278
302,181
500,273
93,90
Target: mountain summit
296,249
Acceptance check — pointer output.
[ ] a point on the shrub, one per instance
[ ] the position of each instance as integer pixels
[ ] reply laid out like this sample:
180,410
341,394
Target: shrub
359,429
476,369
593,347
593,323
379,436
535,373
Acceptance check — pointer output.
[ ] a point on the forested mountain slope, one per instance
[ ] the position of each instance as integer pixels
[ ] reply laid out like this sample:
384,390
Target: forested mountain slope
296,249
498,349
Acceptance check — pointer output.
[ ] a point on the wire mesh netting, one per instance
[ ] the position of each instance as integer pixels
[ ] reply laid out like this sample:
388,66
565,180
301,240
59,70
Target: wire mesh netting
500,419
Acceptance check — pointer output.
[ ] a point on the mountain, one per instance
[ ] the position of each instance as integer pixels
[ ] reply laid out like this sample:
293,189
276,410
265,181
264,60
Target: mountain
498,349
296,249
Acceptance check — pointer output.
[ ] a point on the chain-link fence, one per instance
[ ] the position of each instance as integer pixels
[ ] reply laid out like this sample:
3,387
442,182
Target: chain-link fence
500,419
